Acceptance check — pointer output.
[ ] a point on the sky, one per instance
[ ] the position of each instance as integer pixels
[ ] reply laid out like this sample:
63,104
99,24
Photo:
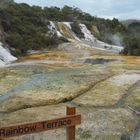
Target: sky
121,9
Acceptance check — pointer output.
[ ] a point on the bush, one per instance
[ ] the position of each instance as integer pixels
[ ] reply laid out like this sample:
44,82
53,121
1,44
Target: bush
63,39
132,46
26,28
16,41
76,29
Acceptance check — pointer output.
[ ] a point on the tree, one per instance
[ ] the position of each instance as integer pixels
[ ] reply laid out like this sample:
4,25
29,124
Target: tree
76,29
53,13
132,46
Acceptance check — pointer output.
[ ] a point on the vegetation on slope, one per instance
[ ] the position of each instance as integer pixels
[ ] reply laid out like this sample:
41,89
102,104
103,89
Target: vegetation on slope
132,40
5,3
76,29
26,27
108,29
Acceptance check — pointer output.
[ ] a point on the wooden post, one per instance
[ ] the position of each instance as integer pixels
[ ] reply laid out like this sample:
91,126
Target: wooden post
69,122
70,130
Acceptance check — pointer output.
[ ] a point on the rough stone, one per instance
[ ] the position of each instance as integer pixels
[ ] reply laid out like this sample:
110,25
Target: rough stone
108,92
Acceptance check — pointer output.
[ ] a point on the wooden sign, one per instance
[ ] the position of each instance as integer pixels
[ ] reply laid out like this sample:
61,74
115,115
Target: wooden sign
68,122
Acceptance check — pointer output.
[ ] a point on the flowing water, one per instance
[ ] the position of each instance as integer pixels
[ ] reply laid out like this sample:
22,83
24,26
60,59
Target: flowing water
5,56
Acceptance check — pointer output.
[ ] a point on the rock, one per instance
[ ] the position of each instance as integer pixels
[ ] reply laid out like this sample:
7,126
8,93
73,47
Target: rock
109,92
133,100
52,87
12,76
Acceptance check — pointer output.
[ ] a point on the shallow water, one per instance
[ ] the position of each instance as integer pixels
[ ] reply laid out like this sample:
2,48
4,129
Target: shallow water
33,81
99,60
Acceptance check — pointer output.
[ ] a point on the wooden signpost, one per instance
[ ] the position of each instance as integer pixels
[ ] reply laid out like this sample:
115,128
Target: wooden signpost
69,122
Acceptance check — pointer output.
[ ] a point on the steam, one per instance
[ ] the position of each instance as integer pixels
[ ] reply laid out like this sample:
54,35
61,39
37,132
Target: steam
117,39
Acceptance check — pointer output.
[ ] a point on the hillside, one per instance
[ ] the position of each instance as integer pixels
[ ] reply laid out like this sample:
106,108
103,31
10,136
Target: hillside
5,3
27,28
129,21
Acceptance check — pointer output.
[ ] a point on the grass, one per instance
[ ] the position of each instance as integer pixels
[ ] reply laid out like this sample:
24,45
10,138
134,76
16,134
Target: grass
84,134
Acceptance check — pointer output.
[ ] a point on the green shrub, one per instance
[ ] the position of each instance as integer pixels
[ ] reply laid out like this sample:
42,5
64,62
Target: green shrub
63,40
132,46
76,29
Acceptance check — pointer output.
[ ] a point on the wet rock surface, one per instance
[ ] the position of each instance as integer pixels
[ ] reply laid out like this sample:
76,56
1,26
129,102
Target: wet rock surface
133,99
51,87
99,60
109,92
102,93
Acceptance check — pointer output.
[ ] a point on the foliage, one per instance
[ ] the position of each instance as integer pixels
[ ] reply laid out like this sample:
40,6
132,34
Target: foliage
132,39
26,27
76,29
5,3
134,29
132,46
